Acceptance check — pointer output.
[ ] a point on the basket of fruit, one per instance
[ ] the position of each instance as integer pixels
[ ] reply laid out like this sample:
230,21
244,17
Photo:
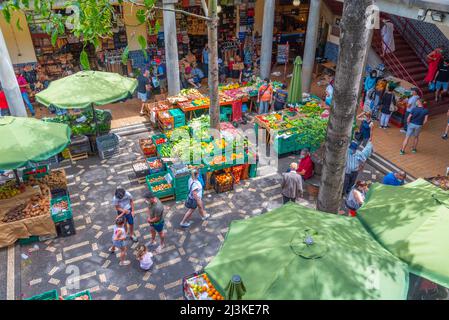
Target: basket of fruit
224,182
156,165
60,209
141,168
159,186
147,147
198,287
10,189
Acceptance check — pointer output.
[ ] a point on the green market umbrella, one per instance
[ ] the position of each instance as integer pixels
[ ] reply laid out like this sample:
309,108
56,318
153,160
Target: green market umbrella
295,88
296,253
27,140
412,222
85,88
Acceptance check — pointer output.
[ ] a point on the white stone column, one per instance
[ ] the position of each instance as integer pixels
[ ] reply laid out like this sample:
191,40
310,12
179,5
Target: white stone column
313,24
9,82
171,47
267,39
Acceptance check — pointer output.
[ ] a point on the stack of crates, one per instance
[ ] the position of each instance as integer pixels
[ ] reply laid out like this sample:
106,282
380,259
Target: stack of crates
107,145
179,118
225,113
79,144
181,186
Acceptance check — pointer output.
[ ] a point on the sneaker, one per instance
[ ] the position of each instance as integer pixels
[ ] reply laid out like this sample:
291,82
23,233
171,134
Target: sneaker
403,131
414,151
134,239
207,216
111,251
124,263
185,225
402,152
159,249
444,137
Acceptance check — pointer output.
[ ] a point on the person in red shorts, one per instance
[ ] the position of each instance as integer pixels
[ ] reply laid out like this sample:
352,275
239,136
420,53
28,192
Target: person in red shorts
305,166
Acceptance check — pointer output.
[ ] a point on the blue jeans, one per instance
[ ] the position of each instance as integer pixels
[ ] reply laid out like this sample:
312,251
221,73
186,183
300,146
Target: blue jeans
263,107
384,119
27,101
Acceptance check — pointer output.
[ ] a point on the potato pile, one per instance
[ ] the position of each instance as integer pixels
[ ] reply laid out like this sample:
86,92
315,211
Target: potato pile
55,180
38,205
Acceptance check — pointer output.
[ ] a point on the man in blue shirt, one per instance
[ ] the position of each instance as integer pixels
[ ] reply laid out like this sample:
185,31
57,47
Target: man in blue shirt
416,119
354,162
394,178
411,104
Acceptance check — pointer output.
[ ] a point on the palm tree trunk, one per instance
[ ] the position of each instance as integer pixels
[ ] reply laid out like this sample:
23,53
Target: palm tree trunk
353,49
214,107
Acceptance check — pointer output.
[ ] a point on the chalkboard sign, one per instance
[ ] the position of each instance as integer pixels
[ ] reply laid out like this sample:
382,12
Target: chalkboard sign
282,56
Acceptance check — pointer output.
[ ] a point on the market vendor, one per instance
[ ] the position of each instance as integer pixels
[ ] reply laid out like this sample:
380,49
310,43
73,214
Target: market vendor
124,204
305,166
280,98
155,219
265,96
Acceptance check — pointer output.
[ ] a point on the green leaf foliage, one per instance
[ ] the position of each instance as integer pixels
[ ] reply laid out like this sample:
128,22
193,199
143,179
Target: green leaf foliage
18,26
7,14
54,37
141,15
84,60
125,55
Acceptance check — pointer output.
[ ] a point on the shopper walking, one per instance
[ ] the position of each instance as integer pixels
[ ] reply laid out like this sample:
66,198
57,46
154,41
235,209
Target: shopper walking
387,32
387,107
366,127
356,197
119,241
291,184
23,85
124,204
416,119
433,59
444,136
265,96
144,257
143,88
155,219
411,104
394,178
354,162
442,80
194,200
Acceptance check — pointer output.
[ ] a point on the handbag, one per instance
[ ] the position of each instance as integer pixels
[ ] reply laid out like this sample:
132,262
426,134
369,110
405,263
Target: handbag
191,202
393,107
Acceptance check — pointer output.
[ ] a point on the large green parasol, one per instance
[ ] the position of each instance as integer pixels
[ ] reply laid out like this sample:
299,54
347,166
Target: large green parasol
87,88
412,222
297,253
27,140
295,88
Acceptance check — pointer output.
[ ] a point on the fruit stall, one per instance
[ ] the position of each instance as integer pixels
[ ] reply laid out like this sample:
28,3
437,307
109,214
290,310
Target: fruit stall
222,161
295,128
36,209
199,287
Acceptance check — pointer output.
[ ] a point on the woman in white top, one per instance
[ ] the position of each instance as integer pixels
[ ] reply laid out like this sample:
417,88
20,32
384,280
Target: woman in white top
195,195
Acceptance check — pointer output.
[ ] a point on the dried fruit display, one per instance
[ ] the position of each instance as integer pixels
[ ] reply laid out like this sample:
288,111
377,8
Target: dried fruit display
55,180
37,205
10,190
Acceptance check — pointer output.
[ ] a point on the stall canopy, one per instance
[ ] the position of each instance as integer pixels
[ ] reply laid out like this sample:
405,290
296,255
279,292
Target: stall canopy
295,89
297,253
27,140
412,222
87,88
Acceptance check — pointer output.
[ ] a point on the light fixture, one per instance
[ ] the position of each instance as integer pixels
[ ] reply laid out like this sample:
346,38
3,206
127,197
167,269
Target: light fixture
218,9
437,16
296,3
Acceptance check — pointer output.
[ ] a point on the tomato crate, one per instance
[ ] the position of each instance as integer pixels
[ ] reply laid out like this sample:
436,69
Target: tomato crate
79,294
61,215
49,295
159,136
156,170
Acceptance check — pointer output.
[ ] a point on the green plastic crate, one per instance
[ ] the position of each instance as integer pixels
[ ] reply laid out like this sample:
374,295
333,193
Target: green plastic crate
181,197
32,239
226,110
155,175
163,193
45,168
252,170
62,215
79,294
49,295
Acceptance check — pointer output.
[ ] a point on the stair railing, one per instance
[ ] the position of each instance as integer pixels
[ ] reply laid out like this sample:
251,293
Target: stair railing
416,40
393,63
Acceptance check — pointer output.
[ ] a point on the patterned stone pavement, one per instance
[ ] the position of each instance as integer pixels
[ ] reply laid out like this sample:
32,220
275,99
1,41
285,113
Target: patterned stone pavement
82,261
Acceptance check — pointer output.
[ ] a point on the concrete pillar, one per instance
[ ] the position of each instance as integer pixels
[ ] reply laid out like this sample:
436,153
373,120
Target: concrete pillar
9,82
313,24
171,48
267,39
